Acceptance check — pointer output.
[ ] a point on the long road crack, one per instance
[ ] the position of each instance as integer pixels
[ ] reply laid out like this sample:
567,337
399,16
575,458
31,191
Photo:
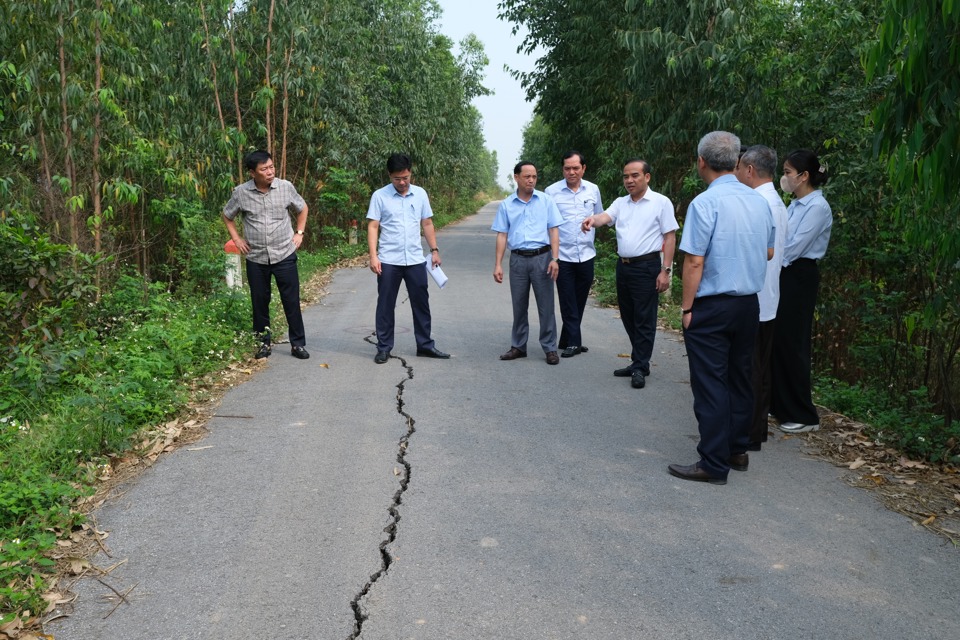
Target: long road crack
393,510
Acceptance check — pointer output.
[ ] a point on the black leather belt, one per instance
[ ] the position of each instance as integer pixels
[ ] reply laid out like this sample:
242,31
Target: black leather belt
527,253
644,258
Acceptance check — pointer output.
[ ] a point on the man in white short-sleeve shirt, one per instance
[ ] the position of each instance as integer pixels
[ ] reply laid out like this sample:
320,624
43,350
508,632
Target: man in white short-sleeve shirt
646,225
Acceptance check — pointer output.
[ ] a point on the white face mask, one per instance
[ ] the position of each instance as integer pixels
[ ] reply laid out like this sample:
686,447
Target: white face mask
785,185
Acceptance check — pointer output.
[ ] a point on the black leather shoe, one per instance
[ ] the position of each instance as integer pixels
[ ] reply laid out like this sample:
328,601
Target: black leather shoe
693,472
569,352
381,357
626,372
739,461
638,380
432,352
553,358
299,352
263,352
513,354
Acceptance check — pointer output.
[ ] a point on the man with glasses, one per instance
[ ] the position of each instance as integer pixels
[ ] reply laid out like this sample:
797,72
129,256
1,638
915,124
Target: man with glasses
576,199
397,213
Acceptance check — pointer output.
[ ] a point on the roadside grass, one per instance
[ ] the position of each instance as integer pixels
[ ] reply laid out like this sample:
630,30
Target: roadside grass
69,406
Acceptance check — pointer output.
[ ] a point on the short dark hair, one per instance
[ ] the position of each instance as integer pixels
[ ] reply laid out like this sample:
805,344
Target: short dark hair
806,160
763,159
646,165
520,165
399,162
256,158
570,154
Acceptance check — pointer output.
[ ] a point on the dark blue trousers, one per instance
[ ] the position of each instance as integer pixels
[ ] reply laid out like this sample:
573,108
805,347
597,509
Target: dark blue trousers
288,284
720,342
637,298
573,287
388,286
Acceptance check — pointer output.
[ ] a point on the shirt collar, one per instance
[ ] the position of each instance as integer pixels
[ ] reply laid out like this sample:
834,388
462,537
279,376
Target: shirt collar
807,198
725,178
252,185
516,196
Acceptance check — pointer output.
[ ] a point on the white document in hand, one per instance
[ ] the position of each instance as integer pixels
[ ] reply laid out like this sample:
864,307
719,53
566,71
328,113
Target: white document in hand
436,273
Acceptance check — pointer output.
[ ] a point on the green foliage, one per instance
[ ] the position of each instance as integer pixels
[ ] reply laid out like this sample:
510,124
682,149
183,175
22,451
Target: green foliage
41,283
907,422
917,131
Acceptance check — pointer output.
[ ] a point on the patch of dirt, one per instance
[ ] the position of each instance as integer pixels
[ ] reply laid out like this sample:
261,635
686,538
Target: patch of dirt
927,493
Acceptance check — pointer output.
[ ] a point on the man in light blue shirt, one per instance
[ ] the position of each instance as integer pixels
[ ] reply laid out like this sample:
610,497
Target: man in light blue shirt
576,199
527,223
728,236
397,213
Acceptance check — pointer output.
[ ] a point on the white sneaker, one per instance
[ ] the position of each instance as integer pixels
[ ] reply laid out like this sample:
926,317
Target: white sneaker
796,427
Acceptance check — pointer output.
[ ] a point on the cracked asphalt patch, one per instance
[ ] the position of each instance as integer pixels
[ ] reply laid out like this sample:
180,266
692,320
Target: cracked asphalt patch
394,509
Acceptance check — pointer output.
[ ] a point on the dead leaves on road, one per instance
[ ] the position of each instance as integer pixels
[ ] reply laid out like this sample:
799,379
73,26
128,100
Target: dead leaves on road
927,493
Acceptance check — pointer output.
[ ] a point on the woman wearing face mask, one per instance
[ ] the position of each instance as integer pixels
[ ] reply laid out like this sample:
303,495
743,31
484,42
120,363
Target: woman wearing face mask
809,220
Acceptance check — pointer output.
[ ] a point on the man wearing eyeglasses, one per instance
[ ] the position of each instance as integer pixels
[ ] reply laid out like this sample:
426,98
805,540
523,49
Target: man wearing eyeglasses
397,213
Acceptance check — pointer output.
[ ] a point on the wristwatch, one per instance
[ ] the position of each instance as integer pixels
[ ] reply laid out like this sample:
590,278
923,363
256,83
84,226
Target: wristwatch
299,232
667,270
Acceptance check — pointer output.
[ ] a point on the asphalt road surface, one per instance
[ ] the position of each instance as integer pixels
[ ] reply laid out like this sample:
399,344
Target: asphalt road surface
477,499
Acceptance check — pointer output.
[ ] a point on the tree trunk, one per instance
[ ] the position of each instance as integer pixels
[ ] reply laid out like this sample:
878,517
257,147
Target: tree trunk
213,68
286,108
236,94
269,106
95,152
69,172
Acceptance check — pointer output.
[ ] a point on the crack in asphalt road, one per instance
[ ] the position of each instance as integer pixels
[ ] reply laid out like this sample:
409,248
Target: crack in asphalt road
394,509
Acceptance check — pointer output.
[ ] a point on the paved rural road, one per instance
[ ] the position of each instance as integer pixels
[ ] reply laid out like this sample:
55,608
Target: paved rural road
538,503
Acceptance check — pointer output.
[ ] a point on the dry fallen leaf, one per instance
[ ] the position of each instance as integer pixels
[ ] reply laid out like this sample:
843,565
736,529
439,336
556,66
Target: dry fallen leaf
911,464
396,471
209,446
78,565
856,464
929,520
324,365
956,497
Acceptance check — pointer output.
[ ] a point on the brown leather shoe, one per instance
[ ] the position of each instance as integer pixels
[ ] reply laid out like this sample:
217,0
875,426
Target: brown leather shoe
553,358
693,472
513,354
739,461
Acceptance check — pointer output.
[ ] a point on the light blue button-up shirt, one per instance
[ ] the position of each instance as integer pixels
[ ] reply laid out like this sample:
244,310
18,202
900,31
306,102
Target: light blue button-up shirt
809,221
399,218
731,226
575,206
527,224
